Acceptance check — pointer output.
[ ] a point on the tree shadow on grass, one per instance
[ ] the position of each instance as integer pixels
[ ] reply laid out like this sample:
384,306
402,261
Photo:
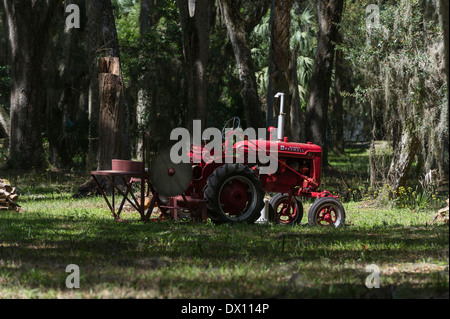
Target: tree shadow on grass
35,251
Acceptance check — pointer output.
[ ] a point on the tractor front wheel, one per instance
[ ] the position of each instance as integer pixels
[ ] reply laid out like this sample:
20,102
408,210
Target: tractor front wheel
280,211
326,212
234,194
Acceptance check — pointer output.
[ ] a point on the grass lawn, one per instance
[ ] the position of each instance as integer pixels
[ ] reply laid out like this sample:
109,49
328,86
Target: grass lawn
187,260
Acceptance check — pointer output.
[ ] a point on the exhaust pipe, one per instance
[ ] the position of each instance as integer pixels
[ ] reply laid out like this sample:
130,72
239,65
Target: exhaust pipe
280,132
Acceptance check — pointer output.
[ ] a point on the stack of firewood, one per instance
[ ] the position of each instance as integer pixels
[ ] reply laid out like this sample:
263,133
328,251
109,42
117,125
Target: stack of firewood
8,196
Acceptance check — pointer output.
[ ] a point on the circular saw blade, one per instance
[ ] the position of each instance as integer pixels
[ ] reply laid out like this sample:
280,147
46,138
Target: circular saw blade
168,178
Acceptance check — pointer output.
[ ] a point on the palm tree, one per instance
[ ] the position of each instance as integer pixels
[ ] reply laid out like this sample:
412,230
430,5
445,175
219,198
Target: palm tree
302,46
281,51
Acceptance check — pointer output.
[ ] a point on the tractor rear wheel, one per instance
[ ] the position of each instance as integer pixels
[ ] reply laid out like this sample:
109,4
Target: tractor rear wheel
279,212
326,211
234,194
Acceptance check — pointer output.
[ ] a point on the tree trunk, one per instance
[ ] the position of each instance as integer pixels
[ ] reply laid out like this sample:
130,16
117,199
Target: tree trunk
111,122
5,122
297,115
402,159
107,33
238,37
142,108
373,154
27,22
195,24
144,16
329,16
338,107
396,125
281,57
4,51
270,117
444,11
112,125
111,116
65,86
102,38
94,30
145,94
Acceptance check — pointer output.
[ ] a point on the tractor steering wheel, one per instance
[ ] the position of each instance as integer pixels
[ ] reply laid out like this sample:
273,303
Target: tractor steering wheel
235,120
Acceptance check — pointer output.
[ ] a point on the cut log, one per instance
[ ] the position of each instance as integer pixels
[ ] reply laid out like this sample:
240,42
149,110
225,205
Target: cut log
8,196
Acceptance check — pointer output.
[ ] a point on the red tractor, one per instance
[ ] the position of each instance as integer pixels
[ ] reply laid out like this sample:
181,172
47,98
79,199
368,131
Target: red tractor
234,192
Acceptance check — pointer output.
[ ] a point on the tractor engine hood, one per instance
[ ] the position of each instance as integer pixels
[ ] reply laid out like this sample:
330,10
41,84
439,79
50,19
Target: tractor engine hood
284,148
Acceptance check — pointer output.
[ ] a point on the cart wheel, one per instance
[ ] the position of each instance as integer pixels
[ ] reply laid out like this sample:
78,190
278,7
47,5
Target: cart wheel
326,211
279,212
234,194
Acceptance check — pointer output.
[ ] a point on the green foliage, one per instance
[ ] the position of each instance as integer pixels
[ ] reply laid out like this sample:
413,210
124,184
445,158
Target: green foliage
151,60
303,43
418,199
397,71
352,184
125,7
158,46
127,24
415,199
393,58
224,96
